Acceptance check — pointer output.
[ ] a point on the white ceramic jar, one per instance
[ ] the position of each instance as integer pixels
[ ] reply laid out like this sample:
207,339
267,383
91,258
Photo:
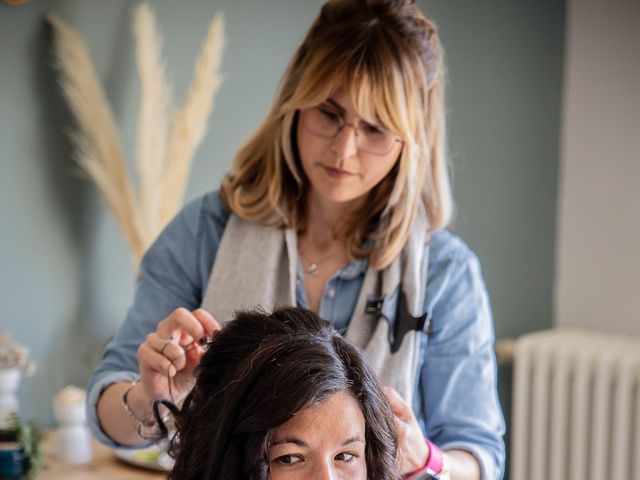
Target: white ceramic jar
73,437
9,382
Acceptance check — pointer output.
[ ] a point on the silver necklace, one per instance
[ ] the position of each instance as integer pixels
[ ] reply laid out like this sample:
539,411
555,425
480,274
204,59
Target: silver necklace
312,268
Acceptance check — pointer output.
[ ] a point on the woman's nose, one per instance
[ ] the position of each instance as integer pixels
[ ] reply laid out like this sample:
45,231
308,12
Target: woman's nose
325,472
345,143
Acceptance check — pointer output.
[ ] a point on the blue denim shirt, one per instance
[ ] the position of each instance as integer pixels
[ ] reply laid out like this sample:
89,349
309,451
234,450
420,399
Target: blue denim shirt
457,401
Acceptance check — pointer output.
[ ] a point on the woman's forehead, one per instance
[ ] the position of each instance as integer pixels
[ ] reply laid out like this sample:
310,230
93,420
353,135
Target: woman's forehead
340,414
357,100
374,99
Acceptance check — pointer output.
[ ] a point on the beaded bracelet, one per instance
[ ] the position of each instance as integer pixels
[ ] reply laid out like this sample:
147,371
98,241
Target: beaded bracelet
125,403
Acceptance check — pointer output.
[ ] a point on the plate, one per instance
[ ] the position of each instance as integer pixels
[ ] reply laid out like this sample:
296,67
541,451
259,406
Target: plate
154,457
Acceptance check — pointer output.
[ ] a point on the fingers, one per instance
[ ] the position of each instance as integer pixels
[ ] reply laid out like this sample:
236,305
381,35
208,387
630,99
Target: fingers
187,326
176,345
413,450
208,322
151,359
168,348
399,406
195,348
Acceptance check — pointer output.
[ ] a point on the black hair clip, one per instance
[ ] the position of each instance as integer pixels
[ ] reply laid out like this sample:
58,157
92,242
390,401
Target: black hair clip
403,323
374,306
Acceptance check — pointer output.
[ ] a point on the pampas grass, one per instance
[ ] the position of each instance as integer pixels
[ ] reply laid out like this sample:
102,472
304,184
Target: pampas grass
164,148
97,146
155,96
189,122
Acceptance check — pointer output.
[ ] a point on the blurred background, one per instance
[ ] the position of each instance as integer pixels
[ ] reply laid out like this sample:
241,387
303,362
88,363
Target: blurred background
544,135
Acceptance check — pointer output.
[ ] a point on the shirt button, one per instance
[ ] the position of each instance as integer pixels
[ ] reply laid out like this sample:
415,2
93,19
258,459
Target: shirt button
331,293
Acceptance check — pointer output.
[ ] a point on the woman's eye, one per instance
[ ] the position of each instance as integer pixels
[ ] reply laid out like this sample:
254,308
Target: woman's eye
345,457
373,129
329,115
289,459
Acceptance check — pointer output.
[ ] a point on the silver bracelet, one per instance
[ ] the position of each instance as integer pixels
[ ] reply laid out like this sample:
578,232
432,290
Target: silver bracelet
125,404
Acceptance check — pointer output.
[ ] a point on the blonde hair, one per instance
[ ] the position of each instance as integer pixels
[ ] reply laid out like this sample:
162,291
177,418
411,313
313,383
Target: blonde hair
388,57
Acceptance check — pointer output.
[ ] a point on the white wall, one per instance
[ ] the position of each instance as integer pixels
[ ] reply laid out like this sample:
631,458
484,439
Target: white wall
598,253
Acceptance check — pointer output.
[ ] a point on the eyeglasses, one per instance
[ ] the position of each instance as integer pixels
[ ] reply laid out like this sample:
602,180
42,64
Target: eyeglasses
326,122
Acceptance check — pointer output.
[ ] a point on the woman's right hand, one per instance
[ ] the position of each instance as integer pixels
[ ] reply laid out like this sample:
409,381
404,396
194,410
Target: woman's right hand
168,357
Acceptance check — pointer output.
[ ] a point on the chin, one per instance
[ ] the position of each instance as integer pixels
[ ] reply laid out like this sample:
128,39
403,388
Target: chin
339,193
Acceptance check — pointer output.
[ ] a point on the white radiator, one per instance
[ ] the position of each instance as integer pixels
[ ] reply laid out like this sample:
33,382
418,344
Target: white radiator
576,406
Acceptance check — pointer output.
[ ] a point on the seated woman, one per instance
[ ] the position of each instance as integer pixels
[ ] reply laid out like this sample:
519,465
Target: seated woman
284,396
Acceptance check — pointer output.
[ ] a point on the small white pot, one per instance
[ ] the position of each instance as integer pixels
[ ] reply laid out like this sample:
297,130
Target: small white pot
9,383
69,414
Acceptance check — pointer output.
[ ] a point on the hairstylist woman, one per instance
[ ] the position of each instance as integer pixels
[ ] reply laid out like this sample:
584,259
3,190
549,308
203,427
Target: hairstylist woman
338,202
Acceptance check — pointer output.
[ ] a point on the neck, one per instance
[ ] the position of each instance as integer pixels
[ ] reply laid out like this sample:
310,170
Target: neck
323,216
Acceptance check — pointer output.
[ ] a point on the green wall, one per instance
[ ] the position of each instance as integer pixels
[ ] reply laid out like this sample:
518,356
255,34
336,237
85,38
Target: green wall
505,61
65,273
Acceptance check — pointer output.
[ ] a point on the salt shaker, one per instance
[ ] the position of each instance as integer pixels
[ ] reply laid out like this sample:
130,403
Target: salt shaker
74,439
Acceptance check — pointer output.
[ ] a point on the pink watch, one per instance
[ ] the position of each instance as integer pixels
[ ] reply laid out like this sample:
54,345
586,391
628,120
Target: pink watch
433,466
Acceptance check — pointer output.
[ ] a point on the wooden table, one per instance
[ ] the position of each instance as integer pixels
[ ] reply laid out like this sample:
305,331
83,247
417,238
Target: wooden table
103,466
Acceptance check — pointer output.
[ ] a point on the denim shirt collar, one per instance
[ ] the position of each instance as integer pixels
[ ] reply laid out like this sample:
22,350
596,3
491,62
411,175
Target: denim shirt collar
353,269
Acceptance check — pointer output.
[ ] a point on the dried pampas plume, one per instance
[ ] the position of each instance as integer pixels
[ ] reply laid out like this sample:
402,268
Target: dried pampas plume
164,147
153,109
97,147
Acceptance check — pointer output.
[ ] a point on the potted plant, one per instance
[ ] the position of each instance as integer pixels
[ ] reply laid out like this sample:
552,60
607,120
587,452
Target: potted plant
20,449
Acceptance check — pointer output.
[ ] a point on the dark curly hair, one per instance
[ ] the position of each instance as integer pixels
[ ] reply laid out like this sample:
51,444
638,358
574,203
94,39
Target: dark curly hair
258,372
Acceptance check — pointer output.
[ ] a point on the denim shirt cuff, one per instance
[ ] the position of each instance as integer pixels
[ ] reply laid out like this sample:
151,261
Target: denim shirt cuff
488,468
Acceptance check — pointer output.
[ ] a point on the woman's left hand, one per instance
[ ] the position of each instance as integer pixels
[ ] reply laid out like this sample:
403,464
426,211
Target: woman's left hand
412,448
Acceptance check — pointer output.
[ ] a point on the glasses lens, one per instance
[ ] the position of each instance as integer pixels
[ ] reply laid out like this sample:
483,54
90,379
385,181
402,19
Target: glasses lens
321,122
374,140
326,123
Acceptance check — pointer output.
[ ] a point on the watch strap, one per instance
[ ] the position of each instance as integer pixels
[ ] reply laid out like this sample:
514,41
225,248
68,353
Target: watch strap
432,467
